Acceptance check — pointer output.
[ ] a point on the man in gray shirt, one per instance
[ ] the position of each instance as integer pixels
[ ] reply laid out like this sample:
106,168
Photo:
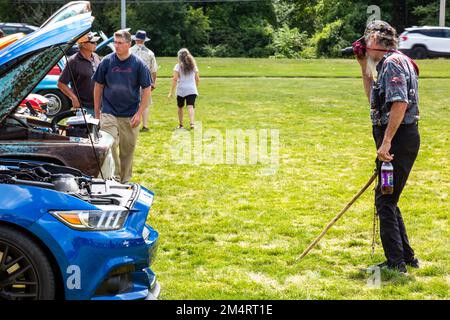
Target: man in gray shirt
147,55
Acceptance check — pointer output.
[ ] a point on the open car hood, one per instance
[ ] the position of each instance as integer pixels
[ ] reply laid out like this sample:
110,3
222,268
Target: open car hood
26,62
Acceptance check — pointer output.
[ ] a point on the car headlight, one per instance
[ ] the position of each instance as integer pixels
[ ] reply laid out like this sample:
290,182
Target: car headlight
93,220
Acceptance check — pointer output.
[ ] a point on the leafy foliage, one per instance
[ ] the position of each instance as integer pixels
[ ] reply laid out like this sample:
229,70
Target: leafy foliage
429,14
329,41
280,28
287,42
240,28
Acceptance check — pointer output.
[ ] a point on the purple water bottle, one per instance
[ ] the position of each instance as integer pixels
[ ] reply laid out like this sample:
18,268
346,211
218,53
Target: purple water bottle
387,178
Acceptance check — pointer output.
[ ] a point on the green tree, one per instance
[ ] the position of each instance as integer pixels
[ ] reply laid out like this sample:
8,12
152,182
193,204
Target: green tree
25,12
287,42
163,22
337,24
240,29
428,15
317,28
170,26
329,41
195,32
298,14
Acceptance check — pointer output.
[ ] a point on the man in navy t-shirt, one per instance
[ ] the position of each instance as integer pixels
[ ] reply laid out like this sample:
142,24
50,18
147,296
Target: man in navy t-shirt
119,102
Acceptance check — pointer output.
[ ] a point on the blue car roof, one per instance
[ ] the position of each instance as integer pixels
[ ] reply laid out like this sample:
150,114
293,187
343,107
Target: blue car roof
54,34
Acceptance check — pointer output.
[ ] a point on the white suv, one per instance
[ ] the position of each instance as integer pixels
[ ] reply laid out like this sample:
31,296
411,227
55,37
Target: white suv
424,42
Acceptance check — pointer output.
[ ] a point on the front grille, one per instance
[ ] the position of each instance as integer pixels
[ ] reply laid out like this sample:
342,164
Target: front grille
118,281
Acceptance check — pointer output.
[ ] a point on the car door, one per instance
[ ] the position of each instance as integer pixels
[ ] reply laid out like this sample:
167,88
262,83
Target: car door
436,40
446,42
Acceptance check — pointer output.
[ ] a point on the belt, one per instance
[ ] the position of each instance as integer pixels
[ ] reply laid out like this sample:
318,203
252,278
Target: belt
379,125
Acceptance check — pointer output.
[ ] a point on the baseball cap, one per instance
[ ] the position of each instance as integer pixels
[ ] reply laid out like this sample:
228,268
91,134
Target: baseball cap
384,29
89,37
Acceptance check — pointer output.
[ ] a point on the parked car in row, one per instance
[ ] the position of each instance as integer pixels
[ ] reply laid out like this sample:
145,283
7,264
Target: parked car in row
11,28
7,40
63,233
425,42
34,105
48,87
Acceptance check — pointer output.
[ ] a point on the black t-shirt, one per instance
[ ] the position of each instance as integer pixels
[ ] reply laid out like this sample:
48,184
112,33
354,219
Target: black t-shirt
83,71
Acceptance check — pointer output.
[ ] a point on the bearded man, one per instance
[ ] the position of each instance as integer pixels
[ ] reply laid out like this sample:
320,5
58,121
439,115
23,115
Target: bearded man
391,84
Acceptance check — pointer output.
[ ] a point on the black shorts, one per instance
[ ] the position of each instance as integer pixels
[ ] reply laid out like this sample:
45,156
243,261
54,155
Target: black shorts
190,100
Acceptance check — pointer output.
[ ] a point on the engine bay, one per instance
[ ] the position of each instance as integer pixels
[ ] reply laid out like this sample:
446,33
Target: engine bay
78,127
68,180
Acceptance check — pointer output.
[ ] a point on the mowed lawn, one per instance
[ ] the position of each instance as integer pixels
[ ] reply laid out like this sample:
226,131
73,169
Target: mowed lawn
234,231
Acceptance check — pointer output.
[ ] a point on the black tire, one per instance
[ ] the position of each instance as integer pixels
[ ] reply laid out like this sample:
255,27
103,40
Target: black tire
58,102
419,53
25,271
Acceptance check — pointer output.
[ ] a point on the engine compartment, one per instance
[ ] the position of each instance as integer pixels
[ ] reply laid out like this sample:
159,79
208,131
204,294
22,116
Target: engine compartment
68,180
71,138
78,126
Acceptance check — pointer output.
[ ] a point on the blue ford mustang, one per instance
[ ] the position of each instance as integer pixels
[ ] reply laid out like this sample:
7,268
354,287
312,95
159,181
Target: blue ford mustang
64,234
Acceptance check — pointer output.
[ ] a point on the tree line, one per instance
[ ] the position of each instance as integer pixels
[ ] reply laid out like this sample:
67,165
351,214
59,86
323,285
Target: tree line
264,28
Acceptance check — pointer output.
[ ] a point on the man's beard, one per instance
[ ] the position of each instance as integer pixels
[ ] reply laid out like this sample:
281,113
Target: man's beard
371,68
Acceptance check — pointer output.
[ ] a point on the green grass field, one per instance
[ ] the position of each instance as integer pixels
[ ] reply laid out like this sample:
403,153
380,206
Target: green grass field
343,68
230,231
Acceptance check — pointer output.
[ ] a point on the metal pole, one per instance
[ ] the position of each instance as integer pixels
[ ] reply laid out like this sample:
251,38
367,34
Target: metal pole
123,14
442,14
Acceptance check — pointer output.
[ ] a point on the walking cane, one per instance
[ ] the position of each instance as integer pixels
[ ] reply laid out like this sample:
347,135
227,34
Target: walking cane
313,244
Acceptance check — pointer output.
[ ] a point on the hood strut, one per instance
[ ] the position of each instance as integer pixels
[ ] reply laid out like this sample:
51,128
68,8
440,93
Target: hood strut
84,115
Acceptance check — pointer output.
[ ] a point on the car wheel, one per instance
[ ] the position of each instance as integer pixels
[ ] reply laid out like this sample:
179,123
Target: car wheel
57,101
25,271
419,53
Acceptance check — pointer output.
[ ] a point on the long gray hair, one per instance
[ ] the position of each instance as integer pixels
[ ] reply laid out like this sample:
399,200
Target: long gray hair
186,61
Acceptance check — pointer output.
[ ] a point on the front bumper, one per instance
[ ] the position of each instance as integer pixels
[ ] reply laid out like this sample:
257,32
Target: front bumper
104,265
149,289
153,294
